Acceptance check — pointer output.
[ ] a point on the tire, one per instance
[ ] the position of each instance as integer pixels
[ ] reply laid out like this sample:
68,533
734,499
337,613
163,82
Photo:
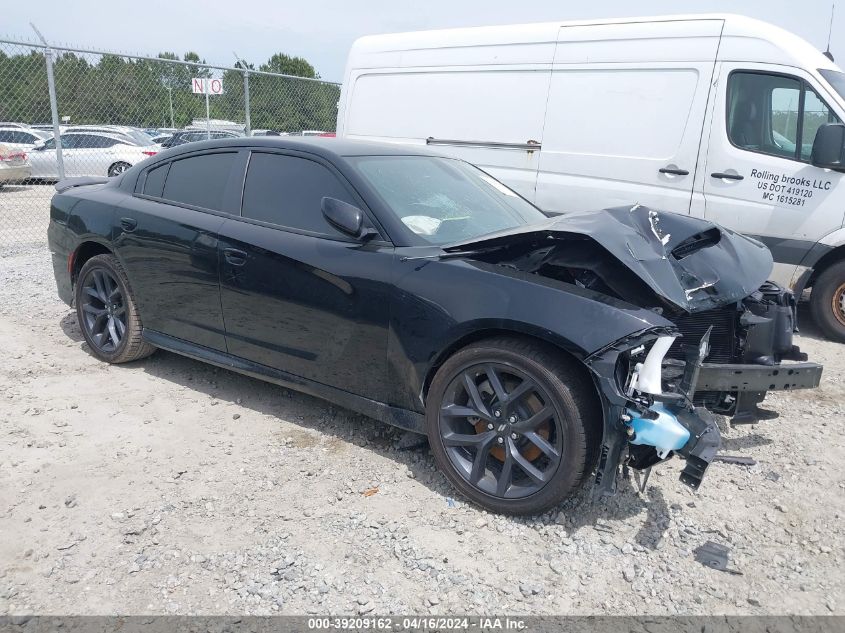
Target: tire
827,302
118,168
107,312
560,396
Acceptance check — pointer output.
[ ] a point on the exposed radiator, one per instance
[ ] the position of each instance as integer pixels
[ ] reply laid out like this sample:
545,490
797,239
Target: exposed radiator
723,346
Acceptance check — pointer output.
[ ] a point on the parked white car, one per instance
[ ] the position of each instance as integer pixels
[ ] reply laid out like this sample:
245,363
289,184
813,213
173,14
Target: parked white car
13,165
21,137
88,154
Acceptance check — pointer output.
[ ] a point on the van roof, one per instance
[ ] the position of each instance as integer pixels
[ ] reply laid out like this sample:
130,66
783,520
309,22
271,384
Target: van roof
742,39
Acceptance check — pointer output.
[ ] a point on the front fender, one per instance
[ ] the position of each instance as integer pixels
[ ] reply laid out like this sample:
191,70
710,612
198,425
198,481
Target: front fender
438,304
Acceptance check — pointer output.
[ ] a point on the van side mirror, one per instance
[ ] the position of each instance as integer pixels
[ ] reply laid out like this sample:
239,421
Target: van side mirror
829,147
345,217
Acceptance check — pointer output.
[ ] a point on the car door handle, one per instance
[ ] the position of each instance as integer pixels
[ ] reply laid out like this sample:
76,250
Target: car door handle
234,256
673,171
128,224
719,174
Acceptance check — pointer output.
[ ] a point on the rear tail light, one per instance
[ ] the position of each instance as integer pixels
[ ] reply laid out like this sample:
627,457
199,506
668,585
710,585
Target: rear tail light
148,153
12,156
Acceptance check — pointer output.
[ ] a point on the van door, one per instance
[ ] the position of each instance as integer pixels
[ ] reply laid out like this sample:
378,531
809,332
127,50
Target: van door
758,179
621,128
489,116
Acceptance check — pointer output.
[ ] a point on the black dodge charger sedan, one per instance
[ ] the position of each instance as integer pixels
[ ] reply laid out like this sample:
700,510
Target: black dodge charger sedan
532,349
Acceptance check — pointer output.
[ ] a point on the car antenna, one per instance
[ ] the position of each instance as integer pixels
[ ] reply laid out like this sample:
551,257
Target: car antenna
827,52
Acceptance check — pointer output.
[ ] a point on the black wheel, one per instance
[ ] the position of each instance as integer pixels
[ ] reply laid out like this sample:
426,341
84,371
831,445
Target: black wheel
118,168
511,424
107,312
827,302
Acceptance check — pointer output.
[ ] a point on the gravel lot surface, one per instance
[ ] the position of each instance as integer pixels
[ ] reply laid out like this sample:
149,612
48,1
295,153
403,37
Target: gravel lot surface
170,486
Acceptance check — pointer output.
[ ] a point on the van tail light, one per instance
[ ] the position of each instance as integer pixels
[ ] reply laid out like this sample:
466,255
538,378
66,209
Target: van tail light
148,153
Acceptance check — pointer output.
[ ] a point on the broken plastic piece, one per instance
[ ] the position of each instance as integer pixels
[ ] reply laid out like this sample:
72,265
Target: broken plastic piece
715,556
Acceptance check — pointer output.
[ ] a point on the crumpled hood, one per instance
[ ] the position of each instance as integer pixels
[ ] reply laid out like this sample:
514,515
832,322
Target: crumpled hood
692,263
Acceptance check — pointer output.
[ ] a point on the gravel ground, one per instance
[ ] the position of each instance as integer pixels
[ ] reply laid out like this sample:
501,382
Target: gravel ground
169,486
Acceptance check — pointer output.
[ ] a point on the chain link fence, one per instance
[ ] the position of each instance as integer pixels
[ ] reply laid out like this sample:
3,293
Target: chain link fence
112,110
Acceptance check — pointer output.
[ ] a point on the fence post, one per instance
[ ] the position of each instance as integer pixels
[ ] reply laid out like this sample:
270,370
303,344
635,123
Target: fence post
246,103
54,108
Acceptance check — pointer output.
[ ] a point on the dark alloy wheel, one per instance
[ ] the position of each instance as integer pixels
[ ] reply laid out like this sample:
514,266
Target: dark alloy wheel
508,423
103,310
118,168
107,312
827,301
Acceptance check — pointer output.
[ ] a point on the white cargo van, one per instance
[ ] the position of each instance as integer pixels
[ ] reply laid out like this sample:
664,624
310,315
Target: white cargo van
712,115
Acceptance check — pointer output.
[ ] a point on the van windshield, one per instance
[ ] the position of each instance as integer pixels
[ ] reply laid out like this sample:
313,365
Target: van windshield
836,79
443,200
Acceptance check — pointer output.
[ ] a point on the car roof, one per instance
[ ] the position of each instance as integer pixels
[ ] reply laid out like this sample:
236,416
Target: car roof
329,148
117,136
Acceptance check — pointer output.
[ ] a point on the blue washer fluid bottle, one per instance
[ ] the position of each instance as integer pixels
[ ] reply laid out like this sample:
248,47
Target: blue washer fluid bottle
665,433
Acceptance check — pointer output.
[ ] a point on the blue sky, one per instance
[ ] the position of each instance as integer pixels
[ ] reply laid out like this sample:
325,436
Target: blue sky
323,30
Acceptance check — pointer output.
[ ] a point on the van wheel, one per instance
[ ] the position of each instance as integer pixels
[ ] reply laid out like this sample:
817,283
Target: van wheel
827,302
510,424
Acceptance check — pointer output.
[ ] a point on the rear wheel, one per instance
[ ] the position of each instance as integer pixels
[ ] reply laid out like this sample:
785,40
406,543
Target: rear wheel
118,168
827,302
509,424
107,313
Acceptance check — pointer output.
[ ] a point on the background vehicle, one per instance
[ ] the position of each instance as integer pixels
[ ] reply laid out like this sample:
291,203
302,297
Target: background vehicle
88,154
189,136
47,127
13,165
22,138
138,137
713,116
405,286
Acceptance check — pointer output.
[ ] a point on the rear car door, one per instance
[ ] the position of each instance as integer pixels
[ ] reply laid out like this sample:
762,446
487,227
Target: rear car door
758,178
167,241
297,294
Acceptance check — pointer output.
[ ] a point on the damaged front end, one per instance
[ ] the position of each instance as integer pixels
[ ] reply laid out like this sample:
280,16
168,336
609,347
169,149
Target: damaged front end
646,421
721,330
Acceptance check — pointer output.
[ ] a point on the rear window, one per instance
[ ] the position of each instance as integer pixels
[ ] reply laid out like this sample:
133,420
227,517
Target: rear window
154,184
199,180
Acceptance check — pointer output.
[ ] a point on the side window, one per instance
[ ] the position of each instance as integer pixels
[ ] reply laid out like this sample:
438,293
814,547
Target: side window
816,113
288,191
774,114
154,184
5,137
91,141
71,141
199,180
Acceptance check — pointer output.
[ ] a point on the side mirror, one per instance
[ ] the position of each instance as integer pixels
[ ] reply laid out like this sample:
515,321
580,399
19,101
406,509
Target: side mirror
345,217
829,147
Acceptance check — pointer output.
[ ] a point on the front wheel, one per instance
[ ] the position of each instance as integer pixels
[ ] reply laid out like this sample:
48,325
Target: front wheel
118,168
511,424
827,302
107,313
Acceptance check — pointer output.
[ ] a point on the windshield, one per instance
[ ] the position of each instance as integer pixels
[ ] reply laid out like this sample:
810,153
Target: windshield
443,200
836,79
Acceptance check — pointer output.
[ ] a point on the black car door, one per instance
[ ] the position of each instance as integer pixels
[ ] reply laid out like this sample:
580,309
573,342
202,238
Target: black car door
297,294
167,240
